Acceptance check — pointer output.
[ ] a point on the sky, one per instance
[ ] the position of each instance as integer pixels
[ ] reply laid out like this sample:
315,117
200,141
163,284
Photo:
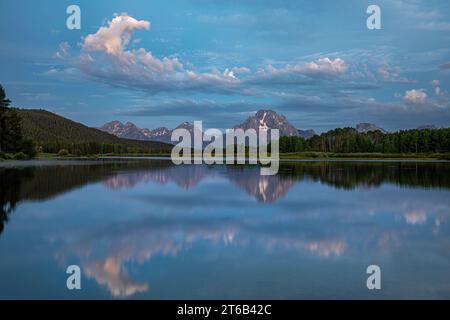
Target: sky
159,63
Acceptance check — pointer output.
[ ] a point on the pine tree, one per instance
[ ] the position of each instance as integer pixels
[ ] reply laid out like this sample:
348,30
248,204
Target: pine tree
4,104
10,125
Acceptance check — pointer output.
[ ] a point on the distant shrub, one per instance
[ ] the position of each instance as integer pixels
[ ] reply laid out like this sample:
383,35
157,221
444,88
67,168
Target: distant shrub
20,156
63,153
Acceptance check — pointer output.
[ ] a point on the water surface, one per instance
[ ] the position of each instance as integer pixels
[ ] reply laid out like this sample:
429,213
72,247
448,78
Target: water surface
146,229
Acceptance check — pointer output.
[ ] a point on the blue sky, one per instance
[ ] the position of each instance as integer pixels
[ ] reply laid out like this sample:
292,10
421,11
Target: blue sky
158,63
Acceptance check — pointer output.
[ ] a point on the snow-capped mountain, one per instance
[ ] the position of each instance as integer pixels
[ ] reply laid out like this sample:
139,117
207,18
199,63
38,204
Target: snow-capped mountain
262,120
156,133
268,119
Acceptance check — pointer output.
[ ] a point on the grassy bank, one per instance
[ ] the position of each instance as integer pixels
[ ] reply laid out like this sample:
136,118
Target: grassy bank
50,156
13,156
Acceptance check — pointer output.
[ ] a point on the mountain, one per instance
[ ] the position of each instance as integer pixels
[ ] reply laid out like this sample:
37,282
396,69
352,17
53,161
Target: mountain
126,131
306,134
155,133
268,119
427,126
368,127
52,131
262,120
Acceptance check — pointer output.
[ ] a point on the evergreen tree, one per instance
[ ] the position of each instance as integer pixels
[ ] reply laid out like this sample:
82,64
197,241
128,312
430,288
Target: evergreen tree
10,125
4,104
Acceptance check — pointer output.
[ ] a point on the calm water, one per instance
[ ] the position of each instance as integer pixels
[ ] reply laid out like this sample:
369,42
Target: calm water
148,229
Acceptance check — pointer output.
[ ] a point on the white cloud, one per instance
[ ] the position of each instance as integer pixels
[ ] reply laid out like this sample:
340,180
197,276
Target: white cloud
415,96
327,66
105,57
115,37
321,67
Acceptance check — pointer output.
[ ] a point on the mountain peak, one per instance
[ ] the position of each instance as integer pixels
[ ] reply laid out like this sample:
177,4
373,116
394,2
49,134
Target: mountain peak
365,127
266,119
185,124
127,130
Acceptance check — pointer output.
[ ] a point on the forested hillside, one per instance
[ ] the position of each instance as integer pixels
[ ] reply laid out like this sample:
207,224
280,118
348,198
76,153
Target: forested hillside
51,133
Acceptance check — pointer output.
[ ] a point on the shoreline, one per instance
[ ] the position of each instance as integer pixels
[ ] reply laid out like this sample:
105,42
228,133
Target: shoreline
283,156
82,160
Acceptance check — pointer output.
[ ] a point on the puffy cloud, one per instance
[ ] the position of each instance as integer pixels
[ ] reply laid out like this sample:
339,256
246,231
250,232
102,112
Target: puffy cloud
327,66
114,37
415,96
392,74
104,56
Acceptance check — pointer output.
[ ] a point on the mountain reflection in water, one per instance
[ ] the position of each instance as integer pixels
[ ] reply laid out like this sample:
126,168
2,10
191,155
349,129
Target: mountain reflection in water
135,213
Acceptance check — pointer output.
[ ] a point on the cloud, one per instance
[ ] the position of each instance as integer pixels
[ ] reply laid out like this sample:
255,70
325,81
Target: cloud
322,66
327,66
115,37
434,26
392,74
104,57
415,96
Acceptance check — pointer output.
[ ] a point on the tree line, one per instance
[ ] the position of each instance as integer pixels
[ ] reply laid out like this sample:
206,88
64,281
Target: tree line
349,140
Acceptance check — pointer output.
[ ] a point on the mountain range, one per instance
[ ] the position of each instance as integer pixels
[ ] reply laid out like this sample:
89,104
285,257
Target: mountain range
262,120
